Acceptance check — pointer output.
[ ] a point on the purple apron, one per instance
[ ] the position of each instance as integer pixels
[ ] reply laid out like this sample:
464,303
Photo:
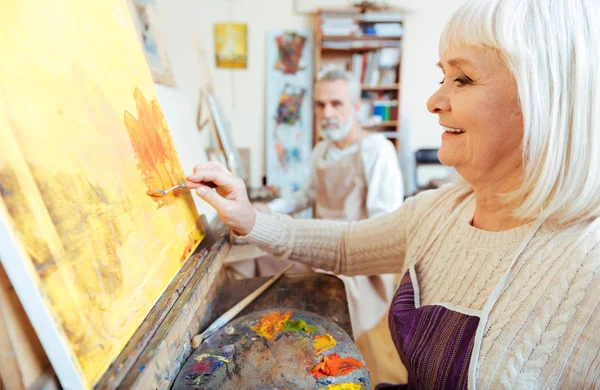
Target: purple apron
439,344
434,342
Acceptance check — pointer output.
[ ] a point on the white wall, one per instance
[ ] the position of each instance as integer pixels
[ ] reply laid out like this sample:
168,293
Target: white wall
187,139
423,25
243,91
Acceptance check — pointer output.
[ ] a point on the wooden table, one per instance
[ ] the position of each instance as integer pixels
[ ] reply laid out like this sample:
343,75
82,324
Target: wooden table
318,293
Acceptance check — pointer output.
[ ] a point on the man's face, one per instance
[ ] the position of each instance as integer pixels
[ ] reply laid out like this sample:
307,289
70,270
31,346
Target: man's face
334,108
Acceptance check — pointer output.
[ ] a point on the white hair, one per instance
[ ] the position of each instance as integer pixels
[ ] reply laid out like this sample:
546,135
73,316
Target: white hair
338,74
552,49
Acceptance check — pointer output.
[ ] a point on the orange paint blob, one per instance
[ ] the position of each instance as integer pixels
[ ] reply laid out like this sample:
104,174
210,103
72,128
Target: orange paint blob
272,324
323,343
334,365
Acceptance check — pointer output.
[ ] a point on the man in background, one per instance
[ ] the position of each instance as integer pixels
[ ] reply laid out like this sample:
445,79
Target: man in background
354,175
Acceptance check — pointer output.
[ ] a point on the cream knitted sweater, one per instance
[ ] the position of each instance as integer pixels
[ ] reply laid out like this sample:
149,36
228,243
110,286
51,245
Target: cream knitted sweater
544,331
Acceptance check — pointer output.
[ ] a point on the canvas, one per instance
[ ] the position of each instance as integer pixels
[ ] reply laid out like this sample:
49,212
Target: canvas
83,139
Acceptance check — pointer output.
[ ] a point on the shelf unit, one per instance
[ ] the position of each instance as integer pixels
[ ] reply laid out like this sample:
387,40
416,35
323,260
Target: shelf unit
357,43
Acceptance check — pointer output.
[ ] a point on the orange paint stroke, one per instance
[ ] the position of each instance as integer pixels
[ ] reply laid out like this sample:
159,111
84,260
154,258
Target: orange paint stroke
334,365
157,159
323,343
272,324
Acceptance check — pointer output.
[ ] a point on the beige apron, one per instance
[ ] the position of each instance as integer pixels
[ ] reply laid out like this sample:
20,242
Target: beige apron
342,195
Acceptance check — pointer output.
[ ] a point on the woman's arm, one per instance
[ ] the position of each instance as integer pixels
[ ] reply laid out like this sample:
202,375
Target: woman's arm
369,247
373,246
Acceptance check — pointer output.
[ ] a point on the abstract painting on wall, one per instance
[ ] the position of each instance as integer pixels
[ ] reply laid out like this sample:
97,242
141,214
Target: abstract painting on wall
231,50
289,52
83,139
289,113
145,20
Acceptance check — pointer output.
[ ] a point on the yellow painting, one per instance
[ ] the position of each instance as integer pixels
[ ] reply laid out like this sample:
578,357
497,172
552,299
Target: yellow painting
230,45
82,139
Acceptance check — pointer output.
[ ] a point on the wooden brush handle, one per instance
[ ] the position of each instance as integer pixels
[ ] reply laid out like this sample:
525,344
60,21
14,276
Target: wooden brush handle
235,310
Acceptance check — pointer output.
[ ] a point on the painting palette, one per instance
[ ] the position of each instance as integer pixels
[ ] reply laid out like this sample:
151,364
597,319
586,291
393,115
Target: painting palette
276,349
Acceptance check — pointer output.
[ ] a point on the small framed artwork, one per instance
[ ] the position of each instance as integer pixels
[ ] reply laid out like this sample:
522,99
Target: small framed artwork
231,49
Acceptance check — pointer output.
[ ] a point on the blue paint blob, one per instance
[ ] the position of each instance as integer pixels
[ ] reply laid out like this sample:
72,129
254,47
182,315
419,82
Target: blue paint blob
142,368
325,381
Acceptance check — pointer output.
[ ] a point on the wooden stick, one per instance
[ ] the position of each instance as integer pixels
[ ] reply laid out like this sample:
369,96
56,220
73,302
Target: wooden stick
231,313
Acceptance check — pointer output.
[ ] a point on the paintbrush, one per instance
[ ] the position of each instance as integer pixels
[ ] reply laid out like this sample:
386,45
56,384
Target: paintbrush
231,313
160,193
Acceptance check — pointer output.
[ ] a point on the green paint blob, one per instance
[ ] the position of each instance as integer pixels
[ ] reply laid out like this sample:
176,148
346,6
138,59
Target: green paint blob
297,326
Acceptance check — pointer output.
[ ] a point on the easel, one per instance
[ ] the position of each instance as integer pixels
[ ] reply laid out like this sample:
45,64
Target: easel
197,296
161,343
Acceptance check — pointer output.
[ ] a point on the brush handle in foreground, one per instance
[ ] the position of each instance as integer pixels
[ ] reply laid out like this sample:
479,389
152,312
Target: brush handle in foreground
235,310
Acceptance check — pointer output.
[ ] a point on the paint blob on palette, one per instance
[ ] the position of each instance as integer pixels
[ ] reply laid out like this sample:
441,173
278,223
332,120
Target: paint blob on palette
277,349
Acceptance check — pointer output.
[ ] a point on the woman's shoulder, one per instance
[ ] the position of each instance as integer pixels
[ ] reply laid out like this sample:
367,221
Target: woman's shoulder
583,237
435,204
447,196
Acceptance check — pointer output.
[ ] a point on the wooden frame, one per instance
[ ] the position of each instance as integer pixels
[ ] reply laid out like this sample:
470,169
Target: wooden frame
153,356
23,362
15,262
162,342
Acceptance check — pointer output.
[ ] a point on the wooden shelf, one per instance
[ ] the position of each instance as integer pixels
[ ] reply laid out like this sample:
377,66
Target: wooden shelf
391,87
352,49
365,38
340,49
383,124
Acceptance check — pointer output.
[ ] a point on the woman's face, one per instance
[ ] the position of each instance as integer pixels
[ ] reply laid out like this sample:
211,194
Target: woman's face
478,108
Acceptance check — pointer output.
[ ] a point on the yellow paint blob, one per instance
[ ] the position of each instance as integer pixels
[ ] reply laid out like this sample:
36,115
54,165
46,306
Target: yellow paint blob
323,343
345,386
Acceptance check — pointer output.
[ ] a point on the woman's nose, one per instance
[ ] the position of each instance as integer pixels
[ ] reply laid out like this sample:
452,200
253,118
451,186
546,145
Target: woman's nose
439,102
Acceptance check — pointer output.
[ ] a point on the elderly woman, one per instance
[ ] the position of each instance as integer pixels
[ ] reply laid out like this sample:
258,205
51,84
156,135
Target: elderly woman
501,283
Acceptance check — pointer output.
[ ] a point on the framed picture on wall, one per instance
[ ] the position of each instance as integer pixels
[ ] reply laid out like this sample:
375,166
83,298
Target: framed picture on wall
231,49
145,19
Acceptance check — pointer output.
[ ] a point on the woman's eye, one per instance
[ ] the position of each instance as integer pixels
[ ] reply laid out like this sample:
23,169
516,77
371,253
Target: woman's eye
460,81
442,82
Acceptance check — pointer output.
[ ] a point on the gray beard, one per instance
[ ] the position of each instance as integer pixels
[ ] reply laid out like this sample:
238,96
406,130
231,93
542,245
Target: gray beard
340,133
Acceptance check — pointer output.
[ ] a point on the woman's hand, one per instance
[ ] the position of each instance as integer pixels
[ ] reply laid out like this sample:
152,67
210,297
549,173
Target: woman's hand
262,207
229,197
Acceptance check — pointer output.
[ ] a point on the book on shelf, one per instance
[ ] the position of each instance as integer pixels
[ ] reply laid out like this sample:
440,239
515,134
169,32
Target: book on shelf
380,16
340,22
372,69
379,67
383,30
378,110
358,44
351,22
